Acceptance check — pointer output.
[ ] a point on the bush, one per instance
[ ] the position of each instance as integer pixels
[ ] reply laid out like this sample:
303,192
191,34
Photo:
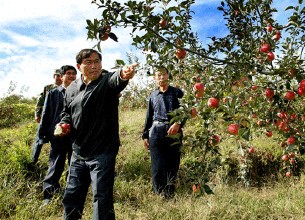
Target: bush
13,113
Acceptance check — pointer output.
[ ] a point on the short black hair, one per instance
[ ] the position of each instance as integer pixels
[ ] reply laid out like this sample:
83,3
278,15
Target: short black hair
65,68
161,68
85,53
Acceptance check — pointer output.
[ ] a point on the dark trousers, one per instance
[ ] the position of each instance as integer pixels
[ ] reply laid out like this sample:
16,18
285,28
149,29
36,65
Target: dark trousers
165,159
36,149
61,149
99,171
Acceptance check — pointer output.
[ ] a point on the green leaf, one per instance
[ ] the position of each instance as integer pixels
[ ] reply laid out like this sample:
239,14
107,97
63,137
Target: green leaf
245,133
153,46
99,46
89,22
113,36
207,189
119,62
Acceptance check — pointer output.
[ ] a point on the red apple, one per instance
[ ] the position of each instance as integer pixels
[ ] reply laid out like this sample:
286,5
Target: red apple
104,36
282,115
292,161
301,91
269,133
233,129
254,87
265,48
194,112
180,53
291,72
293,116
269,28
282,125
251,150
214,140
198,88
196,188
285,157
270,56
290,95
291,140
213,102
288,174
163,23
286,129
302,84
269,93
277,36
283,144
65,127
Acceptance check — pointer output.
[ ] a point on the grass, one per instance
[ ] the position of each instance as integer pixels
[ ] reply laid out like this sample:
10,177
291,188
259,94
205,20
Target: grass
21,185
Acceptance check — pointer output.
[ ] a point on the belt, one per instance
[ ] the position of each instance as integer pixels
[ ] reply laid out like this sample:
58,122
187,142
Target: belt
161,122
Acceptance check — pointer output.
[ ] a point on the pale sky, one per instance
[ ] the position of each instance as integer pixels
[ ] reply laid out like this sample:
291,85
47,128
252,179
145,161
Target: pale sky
37,37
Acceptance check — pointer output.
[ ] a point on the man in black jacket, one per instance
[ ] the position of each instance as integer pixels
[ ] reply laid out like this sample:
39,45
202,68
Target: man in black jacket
60,147
91,107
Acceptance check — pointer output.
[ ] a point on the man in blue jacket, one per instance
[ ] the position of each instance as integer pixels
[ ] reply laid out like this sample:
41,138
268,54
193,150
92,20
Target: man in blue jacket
159,126
37,146
60,147
91,107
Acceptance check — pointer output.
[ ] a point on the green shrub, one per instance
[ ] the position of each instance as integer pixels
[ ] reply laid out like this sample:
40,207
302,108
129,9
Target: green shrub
11,114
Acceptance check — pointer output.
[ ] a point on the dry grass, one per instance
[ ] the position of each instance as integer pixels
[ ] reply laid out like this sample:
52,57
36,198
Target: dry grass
20,194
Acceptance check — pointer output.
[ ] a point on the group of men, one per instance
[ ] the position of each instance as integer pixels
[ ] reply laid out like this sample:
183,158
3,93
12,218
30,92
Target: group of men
89,105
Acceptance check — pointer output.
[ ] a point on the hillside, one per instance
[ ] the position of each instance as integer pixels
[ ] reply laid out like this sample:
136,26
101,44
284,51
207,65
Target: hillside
21,184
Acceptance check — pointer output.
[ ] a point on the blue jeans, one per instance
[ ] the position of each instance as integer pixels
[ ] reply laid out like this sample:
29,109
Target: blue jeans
165,159
99,171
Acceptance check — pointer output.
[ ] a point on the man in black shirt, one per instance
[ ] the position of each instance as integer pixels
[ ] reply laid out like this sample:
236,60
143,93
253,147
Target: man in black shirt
164,150
91,108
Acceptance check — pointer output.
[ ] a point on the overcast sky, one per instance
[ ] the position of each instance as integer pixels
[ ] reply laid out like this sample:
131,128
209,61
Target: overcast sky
38,36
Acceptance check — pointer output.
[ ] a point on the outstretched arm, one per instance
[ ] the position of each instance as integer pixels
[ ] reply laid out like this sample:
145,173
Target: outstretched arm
128,71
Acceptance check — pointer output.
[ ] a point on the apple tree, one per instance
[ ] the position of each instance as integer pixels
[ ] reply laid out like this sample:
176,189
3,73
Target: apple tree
250,80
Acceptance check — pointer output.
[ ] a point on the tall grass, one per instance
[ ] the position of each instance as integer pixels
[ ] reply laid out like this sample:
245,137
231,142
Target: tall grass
21,184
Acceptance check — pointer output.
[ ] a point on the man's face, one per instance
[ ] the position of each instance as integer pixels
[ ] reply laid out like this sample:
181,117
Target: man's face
91,67
161,78
57,80
68,77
